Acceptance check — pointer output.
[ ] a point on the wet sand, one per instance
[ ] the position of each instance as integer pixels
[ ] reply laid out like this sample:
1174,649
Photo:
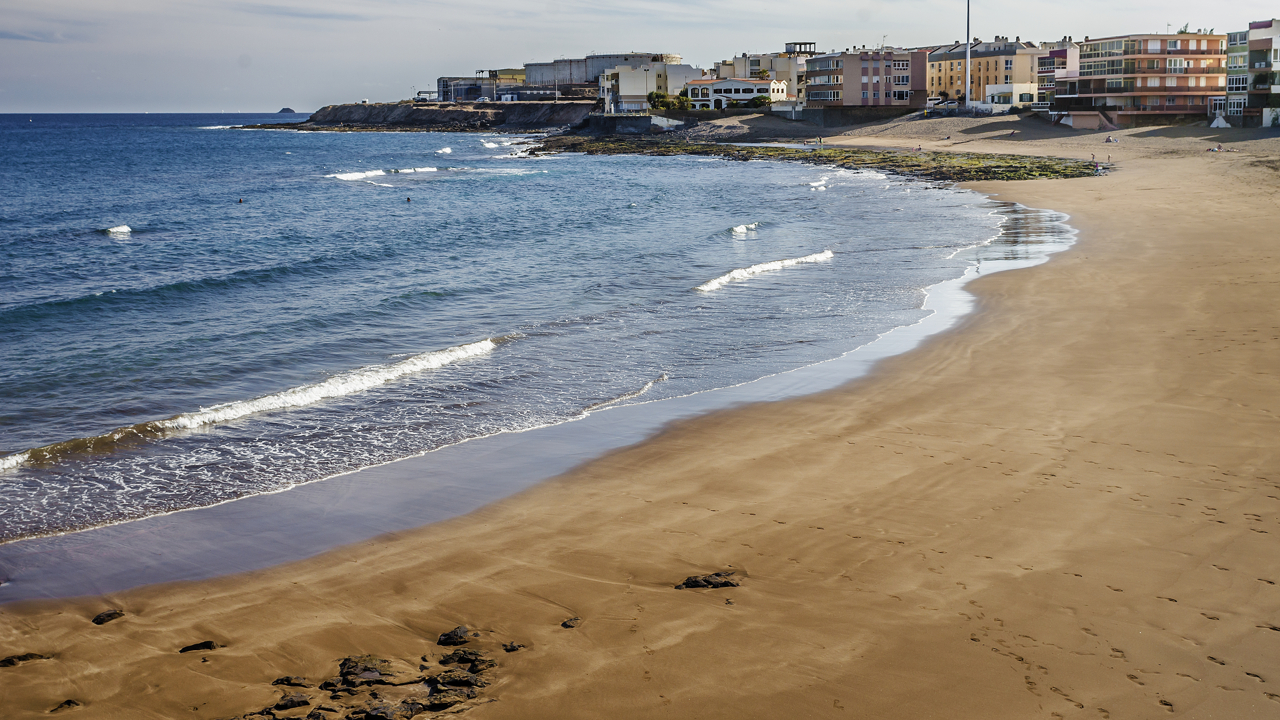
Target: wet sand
1065,506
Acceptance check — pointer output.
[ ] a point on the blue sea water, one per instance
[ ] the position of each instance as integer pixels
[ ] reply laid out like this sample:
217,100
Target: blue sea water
192,313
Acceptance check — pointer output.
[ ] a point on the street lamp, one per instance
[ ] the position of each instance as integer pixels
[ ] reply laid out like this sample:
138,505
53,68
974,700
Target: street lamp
646,86
968,45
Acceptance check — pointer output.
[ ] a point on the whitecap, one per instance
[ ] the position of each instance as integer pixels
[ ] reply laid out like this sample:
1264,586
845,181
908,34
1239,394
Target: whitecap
10,462
491,145
120,230
742,229
356,175
444,151
336,386
749,272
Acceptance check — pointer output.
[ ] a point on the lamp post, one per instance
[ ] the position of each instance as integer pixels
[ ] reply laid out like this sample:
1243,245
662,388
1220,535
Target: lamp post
646,86
968,45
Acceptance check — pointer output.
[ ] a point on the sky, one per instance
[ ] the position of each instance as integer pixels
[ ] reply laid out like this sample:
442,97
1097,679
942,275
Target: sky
217,56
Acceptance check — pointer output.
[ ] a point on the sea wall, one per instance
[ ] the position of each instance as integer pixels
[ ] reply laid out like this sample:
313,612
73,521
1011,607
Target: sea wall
490,114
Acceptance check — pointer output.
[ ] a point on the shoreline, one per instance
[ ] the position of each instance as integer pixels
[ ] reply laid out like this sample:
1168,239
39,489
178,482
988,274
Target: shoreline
66,564
1067,504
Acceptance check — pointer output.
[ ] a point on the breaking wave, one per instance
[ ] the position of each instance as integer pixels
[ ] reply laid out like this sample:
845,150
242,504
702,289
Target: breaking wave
365,378
628,395
444,151
357,175
120,230
747,273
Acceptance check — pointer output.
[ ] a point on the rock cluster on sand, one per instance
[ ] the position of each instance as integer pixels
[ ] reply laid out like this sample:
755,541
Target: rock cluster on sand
368,687
13,660
107,616
721,579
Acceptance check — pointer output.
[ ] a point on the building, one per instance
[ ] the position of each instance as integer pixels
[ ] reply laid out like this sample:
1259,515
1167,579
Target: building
1061,61
787,66
1133,80
999,62
627,88
485,83
716,93
1237,75
1263,104
886,77
587,71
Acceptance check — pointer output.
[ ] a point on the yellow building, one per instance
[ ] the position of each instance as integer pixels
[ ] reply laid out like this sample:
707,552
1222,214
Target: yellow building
999,62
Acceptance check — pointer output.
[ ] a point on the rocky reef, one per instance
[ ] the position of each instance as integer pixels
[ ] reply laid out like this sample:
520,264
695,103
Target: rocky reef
438,117
941,166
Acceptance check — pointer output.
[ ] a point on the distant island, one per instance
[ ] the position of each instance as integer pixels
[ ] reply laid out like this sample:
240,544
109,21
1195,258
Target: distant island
288,110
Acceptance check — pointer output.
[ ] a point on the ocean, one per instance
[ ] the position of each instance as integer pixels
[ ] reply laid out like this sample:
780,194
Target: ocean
193,313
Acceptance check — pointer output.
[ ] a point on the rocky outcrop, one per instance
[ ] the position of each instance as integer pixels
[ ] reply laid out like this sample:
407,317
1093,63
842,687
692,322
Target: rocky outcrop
505,115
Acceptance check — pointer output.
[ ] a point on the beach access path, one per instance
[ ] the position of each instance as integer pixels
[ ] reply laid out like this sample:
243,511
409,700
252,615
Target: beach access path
1069,506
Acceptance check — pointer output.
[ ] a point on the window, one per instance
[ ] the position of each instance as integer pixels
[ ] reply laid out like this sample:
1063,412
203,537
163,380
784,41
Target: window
875,79
1237,83
901,94
864,94
1008,63
1238,38
1177,65
825,95
875,95
901,79
1171,100
1175,44
1008,79
864,80
1171,82
1235,106
901,64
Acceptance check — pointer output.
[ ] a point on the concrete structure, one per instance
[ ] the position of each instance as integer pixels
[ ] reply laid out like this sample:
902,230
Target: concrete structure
626,89
1145,79
1004,96
587,71
717,93
787,66
886,77
485,83
1264,73
999,62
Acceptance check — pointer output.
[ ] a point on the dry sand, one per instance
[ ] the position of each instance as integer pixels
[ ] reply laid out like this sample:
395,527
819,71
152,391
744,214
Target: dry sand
1067,507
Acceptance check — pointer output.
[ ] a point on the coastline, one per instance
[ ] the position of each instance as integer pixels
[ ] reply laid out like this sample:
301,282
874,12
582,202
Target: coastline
1060,506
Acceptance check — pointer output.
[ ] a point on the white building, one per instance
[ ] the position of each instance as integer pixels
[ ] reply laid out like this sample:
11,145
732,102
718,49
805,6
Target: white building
625,88
787,66
716,93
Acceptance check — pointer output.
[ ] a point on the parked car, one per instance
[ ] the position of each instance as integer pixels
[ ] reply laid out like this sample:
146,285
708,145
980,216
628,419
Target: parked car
483,99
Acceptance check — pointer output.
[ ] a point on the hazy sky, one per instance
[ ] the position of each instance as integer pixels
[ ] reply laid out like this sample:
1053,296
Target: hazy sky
212,56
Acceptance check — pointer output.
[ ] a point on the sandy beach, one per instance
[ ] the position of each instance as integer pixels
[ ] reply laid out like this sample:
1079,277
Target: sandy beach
1066,507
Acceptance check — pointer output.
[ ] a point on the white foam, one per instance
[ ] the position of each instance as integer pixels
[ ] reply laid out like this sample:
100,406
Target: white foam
444,151
356,175
379,184
491,145
742,229
747,273
217,127
10,462
120,230
336,386
823,181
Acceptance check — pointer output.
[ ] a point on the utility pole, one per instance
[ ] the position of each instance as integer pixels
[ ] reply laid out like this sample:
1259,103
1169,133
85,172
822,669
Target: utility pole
968,45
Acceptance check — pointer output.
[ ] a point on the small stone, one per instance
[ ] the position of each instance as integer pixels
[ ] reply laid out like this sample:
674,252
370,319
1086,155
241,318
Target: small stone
714,580
107,616
291,681
292,700
511,646
66,705
13,660
456,636
205,645
572,622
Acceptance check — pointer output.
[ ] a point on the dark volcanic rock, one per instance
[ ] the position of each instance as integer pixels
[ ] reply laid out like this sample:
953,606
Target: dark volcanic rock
456,636
66,705
292,700
107,616
472,660
511,646
447,698
13,660
206,645
363,665
291,681
714,580
572,622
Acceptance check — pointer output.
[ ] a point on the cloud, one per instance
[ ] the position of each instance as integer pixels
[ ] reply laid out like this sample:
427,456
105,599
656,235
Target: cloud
41,37
300,13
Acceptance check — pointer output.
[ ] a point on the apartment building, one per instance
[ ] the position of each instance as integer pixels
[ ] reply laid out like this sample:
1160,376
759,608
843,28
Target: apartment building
1263,104
717,93
787,66
625,88
1062,59
1237,75
886,77
998,62
1145,79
